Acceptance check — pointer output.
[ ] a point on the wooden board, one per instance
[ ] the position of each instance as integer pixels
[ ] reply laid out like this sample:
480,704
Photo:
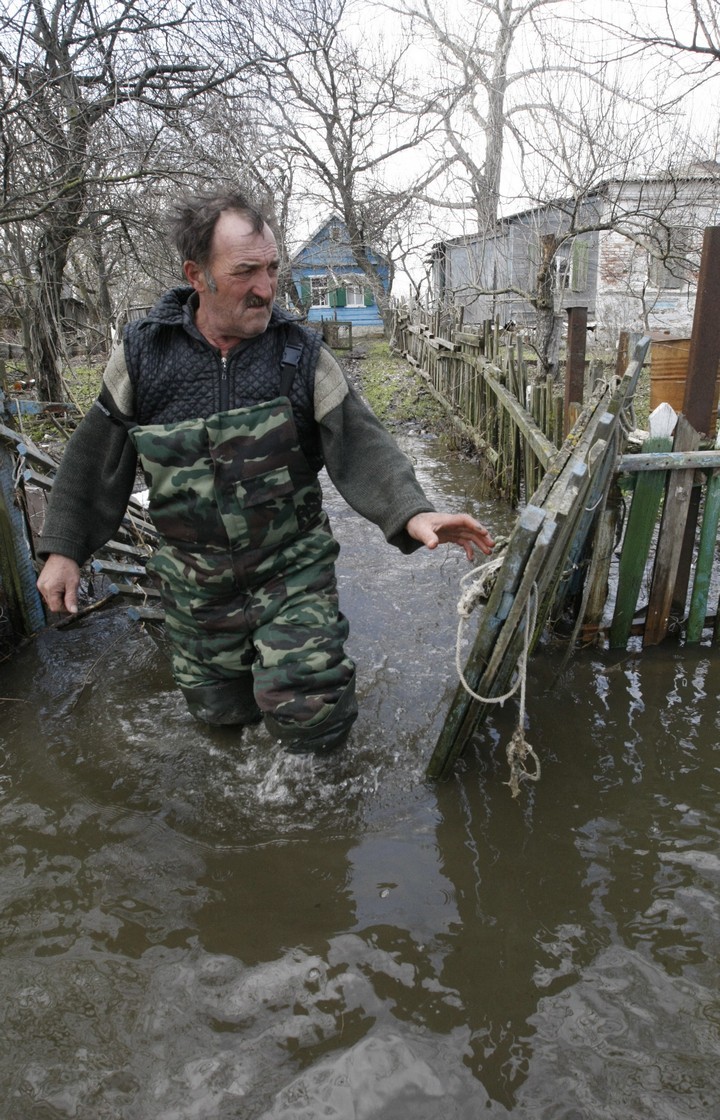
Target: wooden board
560,514
705,561
639,531
678,489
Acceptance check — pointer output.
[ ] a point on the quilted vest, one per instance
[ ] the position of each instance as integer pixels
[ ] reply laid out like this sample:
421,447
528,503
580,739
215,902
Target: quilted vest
177,375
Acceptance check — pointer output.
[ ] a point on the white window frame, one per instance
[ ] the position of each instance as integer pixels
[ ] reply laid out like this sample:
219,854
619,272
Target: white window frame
319,291
355,295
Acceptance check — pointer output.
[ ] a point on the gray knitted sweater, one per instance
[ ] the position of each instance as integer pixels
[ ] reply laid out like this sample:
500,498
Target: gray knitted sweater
98,470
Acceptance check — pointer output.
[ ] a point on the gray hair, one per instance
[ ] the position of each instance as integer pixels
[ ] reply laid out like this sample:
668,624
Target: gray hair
196,218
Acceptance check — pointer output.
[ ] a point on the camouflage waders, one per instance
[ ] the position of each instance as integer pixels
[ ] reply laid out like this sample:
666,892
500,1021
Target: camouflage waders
248,577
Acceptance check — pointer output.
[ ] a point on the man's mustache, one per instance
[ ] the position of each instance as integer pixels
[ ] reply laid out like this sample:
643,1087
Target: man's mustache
256,301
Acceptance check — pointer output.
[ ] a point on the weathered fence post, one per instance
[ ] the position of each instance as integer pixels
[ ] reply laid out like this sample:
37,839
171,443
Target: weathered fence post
702,376
705,339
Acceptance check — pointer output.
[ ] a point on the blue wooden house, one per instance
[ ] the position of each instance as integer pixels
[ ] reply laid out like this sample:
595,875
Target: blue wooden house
329,282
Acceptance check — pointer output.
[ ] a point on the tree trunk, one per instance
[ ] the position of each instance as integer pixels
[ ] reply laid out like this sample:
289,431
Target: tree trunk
549,325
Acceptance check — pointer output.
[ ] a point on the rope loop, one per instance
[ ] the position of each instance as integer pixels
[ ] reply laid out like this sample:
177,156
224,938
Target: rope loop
518,749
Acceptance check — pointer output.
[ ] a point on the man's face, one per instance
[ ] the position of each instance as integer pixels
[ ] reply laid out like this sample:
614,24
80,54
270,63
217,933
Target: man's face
237,289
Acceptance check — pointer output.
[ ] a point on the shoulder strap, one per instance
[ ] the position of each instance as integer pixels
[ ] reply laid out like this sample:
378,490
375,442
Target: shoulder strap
290,359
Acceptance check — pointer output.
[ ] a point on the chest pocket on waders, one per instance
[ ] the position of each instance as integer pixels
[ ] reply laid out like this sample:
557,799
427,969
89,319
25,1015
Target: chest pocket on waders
238,477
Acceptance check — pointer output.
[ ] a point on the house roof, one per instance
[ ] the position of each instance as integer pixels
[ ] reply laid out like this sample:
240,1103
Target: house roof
698,171
335,219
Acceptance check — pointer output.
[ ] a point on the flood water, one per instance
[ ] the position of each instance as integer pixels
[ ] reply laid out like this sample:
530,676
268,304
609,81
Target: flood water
197,927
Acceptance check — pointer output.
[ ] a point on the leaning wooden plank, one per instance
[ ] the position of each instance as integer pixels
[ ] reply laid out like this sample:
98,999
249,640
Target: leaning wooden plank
497,677
670,539
603,549
493,615
564,505
138,528
600,460
505,588
569,451
532,582
705,561
541,446
571,572
22,603
624,392
601,463
135,521
636,545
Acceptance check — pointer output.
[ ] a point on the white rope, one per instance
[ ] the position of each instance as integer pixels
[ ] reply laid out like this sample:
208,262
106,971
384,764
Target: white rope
518,749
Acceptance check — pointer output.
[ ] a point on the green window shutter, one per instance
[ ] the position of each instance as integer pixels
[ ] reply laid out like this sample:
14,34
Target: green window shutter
338,297
579,273
305,291
369,298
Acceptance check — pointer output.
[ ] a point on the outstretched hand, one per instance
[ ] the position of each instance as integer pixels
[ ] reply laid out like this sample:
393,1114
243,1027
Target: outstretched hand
432,529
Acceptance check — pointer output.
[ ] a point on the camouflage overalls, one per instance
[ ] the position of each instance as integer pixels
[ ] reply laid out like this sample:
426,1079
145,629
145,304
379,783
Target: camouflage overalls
247,572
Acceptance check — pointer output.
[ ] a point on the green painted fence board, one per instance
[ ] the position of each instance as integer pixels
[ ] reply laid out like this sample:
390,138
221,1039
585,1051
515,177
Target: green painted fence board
636,544
705,560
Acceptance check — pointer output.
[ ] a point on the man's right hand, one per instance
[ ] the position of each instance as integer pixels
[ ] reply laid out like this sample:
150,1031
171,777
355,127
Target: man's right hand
58,583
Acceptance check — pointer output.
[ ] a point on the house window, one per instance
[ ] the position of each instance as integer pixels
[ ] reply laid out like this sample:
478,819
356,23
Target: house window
664,274
319,291
335,233
355,295
670,268
562,273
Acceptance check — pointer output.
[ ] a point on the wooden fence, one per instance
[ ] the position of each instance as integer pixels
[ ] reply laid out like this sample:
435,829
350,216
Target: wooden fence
650,513
483,378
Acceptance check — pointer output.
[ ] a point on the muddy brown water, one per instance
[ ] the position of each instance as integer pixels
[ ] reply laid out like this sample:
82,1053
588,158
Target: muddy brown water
199,928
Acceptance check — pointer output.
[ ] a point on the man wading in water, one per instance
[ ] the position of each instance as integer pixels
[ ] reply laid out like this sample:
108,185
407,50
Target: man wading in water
232,409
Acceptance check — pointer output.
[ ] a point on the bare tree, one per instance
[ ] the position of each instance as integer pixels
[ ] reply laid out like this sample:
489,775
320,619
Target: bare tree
349,120
70,75
689,27
482,60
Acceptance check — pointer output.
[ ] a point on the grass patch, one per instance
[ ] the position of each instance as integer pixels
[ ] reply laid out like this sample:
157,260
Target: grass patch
397,395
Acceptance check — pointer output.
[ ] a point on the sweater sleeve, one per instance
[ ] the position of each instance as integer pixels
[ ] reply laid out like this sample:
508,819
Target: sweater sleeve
94,480
363,460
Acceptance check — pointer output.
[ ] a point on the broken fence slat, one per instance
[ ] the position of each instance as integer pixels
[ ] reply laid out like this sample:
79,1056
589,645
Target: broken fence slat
678,488
636,545
32,478
532,578
117,568
135,553
705,560
493,615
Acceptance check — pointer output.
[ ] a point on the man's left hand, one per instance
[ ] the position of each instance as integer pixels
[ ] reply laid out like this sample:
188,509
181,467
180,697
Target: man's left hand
432,529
